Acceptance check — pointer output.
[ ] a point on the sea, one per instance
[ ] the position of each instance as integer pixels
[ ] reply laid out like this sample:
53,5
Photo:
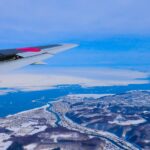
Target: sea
19,101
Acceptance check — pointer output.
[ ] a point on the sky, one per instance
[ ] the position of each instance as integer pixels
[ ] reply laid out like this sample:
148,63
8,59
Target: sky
111,33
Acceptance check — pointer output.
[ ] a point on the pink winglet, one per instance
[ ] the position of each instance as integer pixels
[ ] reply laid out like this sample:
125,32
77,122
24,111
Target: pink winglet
29,49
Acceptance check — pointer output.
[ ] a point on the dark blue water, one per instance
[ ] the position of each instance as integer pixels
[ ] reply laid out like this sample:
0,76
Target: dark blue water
20,101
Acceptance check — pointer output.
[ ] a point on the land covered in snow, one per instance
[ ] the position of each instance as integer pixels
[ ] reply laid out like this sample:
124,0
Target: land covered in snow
82,121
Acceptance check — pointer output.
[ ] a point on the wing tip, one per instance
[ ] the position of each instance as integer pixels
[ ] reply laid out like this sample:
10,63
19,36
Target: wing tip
70,45
61,48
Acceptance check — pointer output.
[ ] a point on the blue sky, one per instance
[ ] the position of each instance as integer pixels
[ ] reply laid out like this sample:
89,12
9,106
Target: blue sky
110,32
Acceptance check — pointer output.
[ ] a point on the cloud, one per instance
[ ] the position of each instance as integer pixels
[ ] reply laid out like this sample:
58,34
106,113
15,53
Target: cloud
84,77
6,91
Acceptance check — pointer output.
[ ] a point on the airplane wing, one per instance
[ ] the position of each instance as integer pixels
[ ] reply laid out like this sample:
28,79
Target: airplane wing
11,59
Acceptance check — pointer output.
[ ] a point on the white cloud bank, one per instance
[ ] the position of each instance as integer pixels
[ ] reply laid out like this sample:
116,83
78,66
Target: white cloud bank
83,77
